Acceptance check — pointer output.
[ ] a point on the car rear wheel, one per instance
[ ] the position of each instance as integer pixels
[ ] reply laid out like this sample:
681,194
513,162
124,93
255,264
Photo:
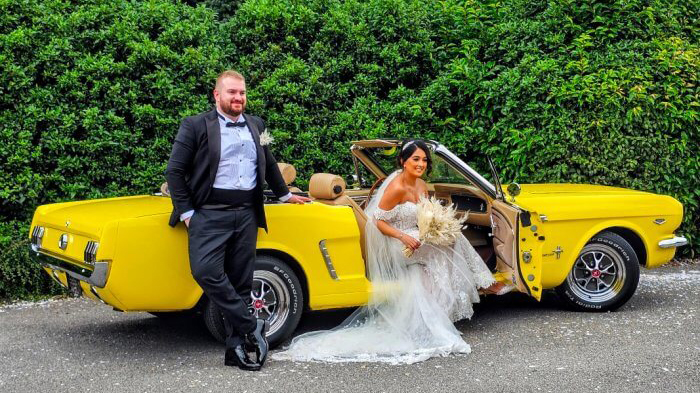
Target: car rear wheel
277,296
604,276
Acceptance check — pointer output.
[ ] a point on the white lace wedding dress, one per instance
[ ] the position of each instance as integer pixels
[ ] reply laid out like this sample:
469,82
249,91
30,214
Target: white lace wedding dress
415,300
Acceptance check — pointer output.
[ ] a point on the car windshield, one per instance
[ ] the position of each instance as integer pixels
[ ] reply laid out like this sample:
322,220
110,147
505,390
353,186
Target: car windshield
443,172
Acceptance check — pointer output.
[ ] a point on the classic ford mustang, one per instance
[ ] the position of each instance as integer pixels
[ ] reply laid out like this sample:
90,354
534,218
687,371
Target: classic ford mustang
587,242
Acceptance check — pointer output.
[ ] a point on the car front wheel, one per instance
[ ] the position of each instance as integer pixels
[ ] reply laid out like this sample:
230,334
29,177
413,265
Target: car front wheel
277,296
604,276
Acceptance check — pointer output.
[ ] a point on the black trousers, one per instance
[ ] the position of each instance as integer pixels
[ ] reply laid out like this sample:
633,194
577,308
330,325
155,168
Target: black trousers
222,260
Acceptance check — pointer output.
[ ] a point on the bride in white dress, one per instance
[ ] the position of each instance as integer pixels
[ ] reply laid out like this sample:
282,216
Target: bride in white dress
415,300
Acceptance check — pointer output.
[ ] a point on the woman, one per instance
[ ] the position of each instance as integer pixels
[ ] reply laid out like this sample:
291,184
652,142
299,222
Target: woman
416,299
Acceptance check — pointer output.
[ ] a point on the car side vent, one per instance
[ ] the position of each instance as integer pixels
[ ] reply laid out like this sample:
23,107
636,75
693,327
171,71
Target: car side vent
91,252
37,237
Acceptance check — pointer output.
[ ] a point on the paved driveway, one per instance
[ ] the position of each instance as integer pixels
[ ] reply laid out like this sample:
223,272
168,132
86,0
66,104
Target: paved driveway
652,343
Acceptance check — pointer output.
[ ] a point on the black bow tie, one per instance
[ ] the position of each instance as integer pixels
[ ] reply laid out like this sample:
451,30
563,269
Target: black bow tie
231,124
236,124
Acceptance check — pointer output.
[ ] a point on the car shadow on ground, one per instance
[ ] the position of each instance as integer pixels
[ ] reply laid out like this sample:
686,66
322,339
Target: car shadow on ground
143,329
490,308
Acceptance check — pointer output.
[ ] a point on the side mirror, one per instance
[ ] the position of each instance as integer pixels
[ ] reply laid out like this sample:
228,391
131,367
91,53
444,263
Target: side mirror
513,190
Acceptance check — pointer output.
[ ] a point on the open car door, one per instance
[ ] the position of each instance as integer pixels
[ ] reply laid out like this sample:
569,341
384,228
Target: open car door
517,242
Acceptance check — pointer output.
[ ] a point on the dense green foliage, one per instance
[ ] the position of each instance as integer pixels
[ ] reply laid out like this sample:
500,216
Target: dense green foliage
92,94
598,92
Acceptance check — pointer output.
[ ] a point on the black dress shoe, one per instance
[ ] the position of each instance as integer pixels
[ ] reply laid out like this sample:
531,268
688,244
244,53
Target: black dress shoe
258,340
237,356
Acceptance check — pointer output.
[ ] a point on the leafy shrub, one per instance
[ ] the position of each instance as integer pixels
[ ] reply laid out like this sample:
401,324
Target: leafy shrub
602,92
20,276
91,95
598,92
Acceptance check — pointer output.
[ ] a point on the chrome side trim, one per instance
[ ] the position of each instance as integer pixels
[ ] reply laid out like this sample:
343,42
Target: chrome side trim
327,259
675,242
96,277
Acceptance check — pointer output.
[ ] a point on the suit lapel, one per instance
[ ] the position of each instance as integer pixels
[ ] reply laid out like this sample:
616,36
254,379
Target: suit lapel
214,138
255,132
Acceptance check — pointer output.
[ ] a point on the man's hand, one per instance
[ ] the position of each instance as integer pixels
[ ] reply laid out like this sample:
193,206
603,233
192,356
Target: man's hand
298,199
187,222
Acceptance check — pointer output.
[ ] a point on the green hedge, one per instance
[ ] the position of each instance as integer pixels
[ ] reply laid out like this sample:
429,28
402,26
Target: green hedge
91,95
93,91
603,93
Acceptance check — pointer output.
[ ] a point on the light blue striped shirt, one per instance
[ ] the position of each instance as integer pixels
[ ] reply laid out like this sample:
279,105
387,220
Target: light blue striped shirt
239,160
238,163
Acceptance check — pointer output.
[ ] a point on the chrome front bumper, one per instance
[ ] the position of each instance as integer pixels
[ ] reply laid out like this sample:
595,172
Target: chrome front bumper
96,277
674,242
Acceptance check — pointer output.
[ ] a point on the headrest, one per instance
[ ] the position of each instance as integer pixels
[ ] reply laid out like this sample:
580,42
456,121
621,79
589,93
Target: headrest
326,186
288,172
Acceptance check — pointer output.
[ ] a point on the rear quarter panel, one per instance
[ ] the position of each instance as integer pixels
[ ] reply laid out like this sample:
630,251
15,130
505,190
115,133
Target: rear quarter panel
151,270
297,231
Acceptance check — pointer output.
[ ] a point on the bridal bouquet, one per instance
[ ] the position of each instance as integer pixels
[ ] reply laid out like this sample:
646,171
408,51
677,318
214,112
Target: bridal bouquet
437,224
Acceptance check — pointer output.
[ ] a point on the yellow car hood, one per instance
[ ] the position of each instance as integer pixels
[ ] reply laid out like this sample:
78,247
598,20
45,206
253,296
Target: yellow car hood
89,217
583,201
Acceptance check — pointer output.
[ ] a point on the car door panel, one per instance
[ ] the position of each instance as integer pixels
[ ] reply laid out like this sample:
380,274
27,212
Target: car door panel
518,252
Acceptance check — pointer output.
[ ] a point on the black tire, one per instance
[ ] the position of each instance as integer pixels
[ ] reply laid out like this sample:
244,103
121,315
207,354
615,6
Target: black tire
274,281
214,321
604,276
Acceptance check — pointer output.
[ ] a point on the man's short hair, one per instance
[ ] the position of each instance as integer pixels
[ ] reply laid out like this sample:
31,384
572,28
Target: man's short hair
229,74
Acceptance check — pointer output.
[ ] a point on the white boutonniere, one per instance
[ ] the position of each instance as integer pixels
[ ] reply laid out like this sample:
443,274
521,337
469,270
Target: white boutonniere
266,138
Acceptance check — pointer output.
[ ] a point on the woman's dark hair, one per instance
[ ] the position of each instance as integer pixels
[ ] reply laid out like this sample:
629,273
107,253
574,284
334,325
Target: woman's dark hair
409,147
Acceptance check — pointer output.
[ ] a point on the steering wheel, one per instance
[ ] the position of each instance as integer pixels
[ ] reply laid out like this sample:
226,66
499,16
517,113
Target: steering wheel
376,184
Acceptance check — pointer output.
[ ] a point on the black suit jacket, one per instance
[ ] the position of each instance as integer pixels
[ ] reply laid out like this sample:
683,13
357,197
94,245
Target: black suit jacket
194,161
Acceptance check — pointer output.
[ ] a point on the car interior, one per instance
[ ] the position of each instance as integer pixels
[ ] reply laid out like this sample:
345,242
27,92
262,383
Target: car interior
375,159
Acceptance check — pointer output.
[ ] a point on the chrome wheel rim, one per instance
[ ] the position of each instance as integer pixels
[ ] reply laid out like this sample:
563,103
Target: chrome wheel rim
270,299
598,274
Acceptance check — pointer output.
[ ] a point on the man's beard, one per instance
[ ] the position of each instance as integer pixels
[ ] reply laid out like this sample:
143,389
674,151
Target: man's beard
228,109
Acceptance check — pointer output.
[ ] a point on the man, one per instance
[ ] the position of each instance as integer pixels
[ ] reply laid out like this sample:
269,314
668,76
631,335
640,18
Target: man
215,176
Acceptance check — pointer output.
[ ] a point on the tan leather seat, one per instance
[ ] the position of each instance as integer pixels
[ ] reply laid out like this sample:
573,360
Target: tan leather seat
289,173
330,189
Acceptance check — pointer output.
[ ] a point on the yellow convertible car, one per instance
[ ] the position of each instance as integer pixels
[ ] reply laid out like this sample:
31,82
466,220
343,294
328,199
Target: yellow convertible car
587,242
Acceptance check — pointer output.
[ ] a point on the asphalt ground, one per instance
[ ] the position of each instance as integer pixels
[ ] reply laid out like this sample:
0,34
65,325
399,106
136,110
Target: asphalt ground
518,345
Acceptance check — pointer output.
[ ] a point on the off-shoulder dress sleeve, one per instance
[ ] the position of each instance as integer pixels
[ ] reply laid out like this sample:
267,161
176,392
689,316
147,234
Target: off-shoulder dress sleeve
384,215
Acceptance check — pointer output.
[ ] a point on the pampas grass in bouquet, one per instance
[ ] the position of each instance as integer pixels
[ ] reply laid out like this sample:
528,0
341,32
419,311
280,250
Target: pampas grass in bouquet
437,224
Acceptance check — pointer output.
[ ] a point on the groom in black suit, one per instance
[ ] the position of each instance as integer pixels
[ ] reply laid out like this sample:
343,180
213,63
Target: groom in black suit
215,175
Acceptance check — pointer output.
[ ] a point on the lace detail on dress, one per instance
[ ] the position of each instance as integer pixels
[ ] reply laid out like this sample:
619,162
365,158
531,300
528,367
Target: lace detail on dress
414,301
385,215
402,216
